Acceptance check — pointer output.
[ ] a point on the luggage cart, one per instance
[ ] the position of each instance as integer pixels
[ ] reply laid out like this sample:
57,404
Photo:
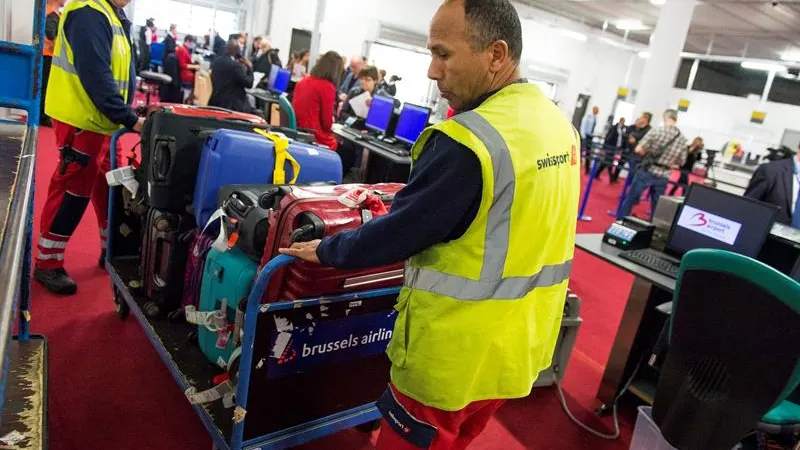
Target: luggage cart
308,368
23,357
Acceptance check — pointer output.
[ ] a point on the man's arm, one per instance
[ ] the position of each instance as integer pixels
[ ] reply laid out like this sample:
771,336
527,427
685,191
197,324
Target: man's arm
243,75
443,193
644,145
89,34
51,26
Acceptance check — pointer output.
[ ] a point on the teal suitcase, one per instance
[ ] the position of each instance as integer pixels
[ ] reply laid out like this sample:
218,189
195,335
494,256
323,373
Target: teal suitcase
228,276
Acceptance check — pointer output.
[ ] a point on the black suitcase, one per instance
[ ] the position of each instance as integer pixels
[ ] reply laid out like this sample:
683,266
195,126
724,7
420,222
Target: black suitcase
165,246
172,140
248,205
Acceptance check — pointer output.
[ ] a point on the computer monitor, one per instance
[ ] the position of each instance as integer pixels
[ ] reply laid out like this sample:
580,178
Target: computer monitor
273,74
380,113
711,218
282,79
413,119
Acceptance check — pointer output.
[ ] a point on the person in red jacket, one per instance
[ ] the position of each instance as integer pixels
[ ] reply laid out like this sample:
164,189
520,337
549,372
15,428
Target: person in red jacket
315,96
184,55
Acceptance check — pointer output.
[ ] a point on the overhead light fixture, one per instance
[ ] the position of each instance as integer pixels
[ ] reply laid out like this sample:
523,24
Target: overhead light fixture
791,56
765,66
573,34
631,25
658,2
644,54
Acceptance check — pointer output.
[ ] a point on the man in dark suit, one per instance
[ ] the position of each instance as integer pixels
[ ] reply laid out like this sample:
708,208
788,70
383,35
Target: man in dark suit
778,183
613,145
230,77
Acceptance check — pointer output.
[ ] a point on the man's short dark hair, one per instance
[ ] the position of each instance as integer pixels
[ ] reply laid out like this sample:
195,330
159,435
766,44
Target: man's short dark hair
489,21
189,38
329,67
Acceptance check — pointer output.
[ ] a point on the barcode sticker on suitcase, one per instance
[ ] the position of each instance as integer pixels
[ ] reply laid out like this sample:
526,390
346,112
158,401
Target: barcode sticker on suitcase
355,304
313,152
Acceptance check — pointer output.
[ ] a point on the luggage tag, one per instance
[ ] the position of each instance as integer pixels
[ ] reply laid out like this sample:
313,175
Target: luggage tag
223,336
221,243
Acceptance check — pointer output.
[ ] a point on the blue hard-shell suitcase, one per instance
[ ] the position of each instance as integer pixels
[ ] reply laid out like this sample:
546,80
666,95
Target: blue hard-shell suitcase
236,157
229,276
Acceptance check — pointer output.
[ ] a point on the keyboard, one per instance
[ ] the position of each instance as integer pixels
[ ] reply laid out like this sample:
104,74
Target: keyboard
393,149
351,132
652,260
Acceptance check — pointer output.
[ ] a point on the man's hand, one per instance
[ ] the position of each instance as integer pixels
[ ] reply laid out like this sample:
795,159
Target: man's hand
640,150
342,96
631,140
247,63
137,127
307,251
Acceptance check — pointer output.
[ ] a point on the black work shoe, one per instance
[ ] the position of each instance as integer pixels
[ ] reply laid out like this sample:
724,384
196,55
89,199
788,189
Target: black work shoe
101,263
56,281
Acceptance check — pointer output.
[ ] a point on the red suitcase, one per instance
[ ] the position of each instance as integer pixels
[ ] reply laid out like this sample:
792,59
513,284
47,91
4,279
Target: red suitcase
172,140
307,213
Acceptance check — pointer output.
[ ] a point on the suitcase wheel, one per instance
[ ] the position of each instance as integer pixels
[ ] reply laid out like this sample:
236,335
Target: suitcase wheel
120,306
151,309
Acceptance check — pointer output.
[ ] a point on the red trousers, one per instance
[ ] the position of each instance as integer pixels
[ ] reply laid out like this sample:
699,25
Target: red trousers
71,188
455,429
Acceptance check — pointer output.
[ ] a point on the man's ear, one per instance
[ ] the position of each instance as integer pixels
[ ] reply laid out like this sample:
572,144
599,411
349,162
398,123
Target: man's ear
499,54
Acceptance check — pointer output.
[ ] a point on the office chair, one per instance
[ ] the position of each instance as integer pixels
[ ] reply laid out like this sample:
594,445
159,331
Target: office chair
734,352
288,118
157,55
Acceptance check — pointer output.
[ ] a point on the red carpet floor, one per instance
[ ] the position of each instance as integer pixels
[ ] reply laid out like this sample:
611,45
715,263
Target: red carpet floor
109,389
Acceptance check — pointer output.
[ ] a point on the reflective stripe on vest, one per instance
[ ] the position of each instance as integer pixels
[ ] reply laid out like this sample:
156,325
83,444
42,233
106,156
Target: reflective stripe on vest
68,101
491,285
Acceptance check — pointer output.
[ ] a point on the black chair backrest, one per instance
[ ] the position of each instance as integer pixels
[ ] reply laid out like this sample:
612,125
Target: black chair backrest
734,348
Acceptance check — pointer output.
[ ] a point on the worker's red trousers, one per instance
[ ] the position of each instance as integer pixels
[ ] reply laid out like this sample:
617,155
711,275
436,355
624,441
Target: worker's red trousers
455,430
83,179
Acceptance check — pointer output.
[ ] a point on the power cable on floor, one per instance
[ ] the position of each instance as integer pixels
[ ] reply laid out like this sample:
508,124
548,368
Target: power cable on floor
563,400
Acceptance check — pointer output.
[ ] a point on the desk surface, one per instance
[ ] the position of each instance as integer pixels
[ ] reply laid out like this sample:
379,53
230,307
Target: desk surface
593,244
337,130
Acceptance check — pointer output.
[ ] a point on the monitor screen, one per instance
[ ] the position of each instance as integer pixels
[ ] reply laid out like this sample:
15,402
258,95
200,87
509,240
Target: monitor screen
281,83
413,119
380,113
273,74
711,218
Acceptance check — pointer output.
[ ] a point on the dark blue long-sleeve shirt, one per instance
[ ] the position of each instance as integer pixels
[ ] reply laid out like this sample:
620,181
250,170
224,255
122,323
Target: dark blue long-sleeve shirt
439,204
91,37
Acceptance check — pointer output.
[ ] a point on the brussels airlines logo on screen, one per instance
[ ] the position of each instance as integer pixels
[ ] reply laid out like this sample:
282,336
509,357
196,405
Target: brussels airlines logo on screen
710,225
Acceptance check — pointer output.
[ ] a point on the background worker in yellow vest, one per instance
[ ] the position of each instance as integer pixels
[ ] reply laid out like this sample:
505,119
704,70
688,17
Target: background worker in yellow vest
52,19
91,88
487,226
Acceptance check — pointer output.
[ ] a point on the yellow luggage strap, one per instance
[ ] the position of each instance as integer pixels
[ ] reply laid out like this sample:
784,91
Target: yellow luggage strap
281,156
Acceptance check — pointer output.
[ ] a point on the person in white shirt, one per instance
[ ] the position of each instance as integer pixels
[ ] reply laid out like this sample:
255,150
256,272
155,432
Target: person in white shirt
587,131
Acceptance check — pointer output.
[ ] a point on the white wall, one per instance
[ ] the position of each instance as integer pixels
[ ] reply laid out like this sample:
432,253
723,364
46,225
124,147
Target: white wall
720,118
590,67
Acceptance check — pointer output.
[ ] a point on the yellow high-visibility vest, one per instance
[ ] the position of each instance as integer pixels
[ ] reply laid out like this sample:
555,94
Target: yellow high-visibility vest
479,316
67,100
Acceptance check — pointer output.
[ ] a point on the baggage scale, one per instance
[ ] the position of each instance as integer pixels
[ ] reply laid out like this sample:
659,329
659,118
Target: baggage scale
307,369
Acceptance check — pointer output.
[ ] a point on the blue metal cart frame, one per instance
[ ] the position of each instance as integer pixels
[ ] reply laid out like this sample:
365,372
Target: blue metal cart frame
284,438
23,354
